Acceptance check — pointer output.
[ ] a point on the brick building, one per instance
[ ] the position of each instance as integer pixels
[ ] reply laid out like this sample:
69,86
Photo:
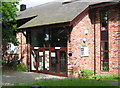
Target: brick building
61,38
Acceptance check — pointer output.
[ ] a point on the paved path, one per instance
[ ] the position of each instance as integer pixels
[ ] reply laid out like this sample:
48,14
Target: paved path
25,77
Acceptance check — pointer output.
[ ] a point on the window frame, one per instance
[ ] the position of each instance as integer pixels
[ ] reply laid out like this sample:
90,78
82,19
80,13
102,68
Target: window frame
103,41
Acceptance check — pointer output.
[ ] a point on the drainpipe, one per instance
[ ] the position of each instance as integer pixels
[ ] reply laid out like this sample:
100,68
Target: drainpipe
93,10
94,43
21,46
27,50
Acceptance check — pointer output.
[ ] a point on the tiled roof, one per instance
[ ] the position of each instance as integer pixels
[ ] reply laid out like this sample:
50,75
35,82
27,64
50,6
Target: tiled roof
54,12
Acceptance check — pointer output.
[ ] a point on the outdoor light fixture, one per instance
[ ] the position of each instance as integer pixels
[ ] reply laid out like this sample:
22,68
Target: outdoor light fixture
86,32
84,40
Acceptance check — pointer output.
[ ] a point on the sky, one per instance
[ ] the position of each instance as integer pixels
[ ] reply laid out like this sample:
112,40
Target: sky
31,3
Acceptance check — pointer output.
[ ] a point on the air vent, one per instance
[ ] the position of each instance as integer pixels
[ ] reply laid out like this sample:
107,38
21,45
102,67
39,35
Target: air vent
66,1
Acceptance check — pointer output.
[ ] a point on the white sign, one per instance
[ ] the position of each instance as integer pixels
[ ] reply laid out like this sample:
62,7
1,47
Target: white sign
12,49
53,54
57,47
36,47
40,53
84,50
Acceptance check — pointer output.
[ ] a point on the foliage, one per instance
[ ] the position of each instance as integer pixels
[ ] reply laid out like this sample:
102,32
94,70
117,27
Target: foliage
113,77
9,25
85,73
20,67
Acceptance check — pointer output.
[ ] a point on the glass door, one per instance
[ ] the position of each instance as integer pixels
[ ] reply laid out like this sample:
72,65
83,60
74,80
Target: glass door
62,62
40,60
33,60
54,61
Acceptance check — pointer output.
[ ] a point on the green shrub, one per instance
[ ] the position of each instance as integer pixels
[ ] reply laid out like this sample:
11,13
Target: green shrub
20,67
113,77
85,73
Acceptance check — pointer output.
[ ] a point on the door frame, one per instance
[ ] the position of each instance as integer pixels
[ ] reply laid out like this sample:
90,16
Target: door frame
58,57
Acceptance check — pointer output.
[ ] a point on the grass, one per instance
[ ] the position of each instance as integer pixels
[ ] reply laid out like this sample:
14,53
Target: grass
65,83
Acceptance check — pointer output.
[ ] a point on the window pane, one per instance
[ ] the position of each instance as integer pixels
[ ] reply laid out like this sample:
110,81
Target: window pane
104,66
37,38
104,15
62,61
47,60
104,25
58,38
104,55
54,61
40,60
104,46
33,60
104,35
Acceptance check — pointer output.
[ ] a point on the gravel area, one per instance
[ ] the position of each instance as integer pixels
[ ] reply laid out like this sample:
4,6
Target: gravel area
25,77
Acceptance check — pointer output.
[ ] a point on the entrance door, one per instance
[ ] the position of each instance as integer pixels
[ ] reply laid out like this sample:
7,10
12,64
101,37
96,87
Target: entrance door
58,61
49,47
48,60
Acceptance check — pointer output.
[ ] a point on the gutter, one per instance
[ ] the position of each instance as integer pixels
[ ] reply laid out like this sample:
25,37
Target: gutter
108,4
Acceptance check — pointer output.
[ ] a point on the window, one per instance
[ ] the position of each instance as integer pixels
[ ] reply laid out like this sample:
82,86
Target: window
37,38
56,37
104,41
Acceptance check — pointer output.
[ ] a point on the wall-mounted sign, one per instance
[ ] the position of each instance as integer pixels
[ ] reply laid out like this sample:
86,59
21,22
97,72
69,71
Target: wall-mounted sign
84,50
53,54
36,47
12,49
57,47
40,53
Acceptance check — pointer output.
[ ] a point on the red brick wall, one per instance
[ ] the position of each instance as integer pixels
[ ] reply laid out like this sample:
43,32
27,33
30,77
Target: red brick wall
75,62
114,38
22,48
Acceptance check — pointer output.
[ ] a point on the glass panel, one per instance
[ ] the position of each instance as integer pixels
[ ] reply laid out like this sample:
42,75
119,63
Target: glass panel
47,60
54,61
104,15
58,38
104,35
63,62
104,66
33,60
104,46
104,25
104,55
104,20
40,60
37,38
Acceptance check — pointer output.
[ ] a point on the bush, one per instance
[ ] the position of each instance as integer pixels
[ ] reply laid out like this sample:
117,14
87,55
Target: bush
112,77
20,67
85,73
